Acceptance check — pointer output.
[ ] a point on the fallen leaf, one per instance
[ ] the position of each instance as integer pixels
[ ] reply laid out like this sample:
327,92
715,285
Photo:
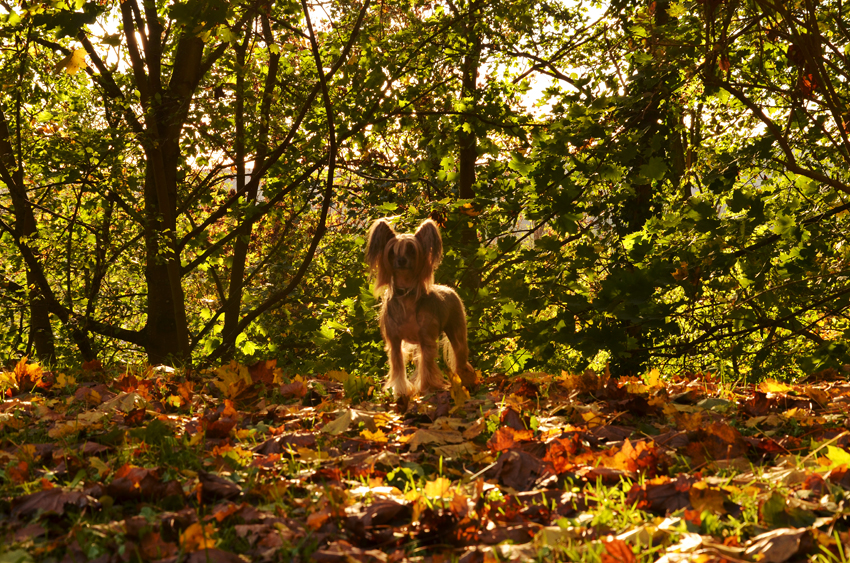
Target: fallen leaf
618,551
197,536
340,424
775,546
50,501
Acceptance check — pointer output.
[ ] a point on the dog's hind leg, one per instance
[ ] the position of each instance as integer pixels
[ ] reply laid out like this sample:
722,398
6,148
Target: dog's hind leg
397,380
428,374
456,353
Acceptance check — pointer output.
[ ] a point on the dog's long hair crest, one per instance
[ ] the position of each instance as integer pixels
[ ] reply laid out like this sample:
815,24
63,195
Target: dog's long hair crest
382,242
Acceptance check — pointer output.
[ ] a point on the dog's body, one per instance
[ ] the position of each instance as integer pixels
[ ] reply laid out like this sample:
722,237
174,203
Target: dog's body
415,310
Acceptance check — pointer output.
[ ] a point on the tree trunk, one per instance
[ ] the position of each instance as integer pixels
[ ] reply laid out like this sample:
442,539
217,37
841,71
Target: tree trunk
468,153
243,238
41,333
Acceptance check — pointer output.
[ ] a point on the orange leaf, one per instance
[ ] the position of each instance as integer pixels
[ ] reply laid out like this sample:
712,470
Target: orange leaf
506,438
263,371
28,376
229,409
19,473
618,551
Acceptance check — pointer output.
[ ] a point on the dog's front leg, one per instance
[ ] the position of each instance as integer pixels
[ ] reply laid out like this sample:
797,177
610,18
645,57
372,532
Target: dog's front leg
429,377
397,380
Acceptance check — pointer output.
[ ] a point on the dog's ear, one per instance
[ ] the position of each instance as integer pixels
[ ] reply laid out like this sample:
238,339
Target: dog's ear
380,233
428,236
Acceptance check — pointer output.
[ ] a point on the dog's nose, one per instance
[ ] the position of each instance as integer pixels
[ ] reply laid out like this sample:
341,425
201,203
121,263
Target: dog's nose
401,262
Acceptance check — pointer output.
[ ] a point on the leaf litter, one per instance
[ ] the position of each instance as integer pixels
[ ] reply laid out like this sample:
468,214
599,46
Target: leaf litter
246,464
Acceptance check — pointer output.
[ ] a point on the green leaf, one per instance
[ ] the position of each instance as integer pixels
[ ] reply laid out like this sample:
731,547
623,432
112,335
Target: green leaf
784,224
519,164
838,456
654,169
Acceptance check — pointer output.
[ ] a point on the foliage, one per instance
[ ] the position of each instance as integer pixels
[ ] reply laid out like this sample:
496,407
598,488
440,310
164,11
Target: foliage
624,184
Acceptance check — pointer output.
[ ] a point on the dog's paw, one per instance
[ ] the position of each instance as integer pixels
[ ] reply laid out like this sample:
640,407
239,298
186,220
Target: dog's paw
433,387
468,377
400,387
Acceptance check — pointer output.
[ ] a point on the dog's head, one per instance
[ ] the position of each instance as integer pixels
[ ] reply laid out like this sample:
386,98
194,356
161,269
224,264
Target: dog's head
404,262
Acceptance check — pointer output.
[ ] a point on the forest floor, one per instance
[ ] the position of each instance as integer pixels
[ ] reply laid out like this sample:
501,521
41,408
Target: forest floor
244,464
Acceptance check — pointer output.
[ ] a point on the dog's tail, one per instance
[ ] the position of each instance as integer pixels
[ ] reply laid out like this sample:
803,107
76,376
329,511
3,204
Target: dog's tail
449,354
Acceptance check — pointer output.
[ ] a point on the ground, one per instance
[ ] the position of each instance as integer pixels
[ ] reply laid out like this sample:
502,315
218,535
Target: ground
247,464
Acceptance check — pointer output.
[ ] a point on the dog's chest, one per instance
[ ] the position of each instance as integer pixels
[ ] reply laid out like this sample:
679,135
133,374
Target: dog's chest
408,329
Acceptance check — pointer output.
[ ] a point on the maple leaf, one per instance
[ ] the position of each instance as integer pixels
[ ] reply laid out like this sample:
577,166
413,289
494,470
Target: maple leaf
506,438
427,436
50,501
560,450
705,498
93,365
517,469
661,494
773,386
135,483
72,63
127,383
264,372
214,487
296,388
233,379
377,436
459,393
437,488
340,424
28,376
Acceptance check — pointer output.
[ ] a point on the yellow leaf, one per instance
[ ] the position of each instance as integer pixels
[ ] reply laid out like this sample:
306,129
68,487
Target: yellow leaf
72,63
438,487
197,537
93,398
8,381
377,436
593,419
233,379
63,380
653,378
312,455
341,376
63,429
460,395
456,450
773,386
27,452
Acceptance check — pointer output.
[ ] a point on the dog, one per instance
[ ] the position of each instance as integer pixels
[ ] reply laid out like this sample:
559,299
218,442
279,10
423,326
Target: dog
415,310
